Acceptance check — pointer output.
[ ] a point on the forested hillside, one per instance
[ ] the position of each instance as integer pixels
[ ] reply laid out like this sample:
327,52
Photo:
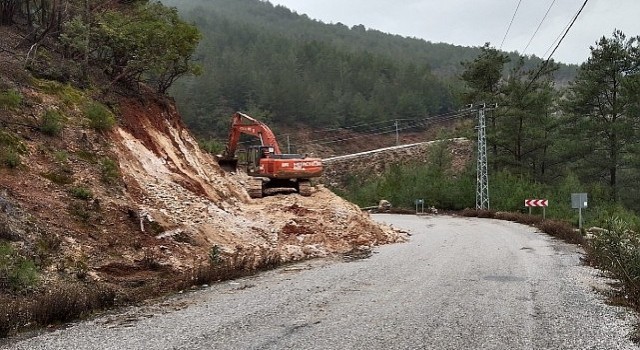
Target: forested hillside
286,68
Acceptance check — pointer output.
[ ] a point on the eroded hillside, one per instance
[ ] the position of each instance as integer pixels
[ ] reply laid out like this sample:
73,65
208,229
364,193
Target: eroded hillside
170,202
107,198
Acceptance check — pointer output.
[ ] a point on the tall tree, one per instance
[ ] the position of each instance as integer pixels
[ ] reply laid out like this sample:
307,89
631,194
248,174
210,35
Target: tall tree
603,101
524,133
483,77
484,74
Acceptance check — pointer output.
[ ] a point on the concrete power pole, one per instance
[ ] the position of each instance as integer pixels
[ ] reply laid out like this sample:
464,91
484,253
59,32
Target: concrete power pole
482,175
397,134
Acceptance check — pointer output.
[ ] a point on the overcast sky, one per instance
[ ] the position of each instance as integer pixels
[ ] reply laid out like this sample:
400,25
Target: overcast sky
474,22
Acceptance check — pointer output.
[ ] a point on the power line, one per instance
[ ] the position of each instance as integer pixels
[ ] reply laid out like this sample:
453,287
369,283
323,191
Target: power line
546,63
417,123
539,25
575,18
510,23
373,131
352,126
558,37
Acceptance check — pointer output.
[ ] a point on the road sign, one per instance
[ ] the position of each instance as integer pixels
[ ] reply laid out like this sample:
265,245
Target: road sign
536,202
544,203
419,206
578,200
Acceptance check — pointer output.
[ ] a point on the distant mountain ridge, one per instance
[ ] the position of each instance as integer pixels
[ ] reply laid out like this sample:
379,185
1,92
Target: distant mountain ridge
443,58
286,68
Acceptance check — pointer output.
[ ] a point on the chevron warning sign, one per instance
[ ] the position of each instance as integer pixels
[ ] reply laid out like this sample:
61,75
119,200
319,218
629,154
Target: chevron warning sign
536,203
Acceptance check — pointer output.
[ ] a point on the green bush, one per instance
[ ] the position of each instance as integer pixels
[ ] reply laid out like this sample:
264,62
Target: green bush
10,149
211,146
617,249
601,215
10,99
61,156
10,158
51,123
81,193
80,211
61,176
16,272
110,171
100,118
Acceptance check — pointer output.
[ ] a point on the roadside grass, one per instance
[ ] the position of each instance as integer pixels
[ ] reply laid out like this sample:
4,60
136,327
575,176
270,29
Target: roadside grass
221,268
67,301
57,304
557,228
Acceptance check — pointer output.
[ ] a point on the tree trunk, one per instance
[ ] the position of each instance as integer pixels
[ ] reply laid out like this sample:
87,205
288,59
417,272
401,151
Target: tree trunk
7,11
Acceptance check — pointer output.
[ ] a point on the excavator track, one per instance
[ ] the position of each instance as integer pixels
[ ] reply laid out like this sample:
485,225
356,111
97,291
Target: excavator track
255,188
304,188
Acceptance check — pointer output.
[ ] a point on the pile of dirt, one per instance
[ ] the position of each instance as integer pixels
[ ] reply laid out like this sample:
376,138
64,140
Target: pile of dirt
141,206
185,192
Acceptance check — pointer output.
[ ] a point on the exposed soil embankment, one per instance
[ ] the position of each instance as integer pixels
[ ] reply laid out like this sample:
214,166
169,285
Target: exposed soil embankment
137,209
187,195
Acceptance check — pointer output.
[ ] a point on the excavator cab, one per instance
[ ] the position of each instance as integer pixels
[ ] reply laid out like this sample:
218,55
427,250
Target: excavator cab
254,154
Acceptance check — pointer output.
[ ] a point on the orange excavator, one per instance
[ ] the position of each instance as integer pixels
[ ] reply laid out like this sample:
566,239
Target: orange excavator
269,168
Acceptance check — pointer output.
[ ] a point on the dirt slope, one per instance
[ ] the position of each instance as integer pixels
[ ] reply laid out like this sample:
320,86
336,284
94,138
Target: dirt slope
184,190
138,207
93,215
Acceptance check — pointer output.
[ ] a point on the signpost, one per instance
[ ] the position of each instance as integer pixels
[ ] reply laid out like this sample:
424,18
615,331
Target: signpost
579,201
420,202
544,203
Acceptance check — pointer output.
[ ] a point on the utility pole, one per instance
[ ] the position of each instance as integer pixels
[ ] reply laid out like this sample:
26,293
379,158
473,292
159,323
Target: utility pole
288,145
482,175
397,135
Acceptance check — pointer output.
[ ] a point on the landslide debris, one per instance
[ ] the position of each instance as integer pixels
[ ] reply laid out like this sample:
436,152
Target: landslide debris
183,190
123,213
93,215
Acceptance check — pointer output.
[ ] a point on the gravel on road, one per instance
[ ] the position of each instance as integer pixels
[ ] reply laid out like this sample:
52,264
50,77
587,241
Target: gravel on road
459,283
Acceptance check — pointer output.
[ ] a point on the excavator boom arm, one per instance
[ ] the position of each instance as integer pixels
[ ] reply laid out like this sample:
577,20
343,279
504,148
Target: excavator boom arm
250,127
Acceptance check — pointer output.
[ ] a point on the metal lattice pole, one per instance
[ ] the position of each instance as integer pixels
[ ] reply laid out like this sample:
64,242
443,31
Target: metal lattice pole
482,175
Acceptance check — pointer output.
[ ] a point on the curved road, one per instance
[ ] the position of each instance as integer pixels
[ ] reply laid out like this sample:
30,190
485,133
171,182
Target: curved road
460,283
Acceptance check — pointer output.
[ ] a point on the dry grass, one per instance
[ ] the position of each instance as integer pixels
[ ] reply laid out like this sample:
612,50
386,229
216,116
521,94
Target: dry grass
559,229
226,268
60,303
69,301
563,231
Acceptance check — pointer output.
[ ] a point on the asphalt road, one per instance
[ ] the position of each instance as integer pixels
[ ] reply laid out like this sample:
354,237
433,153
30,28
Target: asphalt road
460,283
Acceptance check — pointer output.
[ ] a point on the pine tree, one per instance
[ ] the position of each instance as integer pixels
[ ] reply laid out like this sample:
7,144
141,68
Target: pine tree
603,104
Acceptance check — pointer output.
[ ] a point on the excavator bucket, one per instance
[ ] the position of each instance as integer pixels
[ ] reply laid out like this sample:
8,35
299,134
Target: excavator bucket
227,164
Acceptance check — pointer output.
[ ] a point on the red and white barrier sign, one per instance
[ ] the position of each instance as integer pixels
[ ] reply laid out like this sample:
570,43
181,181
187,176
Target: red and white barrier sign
536,202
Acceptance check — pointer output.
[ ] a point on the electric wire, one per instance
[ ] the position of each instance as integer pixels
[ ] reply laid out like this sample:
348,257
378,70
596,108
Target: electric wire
538,28
352,126
510,23
372,131
391,126
557,38
575,18
546,63
416,123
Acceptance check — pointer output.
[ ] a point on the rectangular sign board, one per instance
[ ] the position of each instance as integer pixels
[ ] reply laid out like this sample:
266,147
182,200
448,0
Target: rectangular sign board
536,202
578,200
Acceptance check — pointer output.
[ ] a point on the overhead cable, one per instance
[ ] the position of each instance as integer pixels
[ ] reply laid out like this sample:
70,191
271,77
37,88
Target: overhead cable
510,23
539,25
546,63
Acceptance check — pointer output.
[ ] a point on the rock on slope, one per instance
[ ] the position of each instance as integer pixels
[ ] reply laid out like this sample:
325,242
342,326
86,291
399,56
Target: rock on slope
168,212
191,199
